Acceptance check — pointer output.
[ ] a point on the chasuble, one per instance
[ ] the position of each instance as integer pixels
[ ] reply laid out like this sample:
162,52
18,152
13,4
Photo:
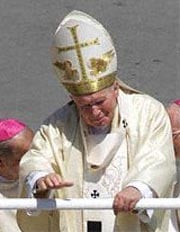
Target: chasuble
143,152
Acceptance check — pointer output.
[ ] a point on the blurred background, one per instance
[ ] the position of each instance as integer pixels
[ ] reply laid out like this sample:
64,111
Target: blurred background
146,34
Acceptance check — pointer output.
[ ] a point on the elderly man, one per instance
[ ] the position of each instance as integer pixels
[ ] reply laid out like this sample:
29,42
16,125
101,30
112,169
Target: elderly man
15,140
174,114
110,141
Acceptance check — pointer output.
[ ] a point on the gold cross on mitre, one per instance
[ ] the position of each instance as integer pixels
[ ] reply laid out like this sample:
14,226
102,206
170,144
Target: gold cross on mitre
77,46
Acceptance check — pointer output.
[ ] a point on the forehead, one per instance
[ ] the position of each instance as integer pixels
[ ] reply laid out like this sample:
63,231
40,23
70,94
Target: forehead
23,139
92,97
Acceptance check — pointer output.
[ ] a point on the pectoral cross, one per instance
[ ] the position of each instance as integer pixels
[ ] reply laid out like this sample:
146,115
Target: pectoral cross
77,47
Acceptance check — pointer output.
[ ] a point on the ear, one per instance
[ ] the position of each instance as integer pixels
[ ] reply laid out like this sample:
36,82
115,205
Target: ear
1,163
116,88
2,166
73,98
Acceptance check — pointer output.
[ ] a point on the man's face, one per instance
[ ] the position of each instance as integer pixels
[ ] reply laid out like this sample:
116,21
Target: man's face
97,109
20,145
176,141
174,114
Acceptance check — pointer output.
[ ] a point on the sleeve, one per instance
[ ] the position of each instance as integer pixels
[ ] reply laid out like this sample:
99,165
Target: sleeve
30,182
151,155
144,215
41,156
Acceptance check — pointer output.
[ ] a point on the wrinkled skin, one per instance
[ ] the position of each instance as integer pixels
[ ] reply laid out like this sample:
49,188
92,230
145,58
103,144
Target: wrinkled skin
97,109
126,200
174,114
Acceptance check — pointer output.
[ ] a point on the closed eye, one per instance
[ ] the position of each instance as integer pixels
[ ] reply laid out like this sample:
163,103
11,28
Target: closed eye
88,106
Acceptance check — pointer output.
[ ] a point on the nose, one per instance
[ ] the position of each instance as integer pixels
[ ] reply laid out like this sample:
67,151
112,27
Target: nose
95,110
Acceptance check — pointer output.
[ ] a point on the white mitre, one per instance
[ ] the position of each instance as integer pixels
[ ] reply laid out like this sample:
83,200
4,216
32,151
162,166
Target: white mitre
84,55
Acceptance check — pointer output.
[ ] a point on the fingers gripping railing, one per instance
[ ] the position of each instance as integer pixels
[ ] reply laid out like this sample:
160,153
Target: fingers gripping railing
93,204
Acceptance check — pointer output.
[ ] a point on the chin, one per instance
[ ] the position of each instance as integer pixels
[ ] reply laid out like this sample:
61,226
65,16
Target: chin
102,124
14,178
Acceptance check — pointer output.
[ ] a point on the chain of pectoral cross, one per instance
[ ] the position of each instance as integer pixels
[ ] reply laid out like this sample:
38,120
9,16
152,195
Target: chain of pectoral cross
77,47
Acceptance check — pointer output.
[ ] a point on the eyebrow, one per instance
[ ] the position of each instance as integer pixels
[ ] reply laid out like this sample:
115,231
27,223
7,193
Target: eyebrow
94,102
176,132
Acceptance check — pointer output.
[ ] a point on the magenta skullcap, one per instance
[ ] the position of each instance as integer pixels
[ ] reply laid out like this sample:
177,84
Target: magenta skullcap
10,127
177,102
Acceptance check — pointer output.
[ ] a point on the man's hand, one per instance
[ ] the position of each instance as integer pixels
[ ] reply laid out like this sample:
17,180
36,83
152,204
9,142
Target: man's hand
126,200
51,181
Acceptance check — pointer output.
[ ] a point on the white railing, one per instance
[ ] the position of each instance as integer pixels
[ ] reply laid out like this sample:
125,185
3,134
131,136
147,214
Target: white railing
69,204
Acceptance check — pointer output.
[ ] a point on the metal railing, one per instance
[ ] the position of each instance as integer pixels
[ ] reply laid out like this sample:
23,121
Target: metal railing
79,203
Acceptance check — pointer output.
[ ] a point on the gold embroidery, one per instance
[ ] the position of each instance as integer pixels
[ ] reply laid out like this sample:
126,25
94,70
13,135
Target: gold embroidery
90,86
79,84
83,45
70,74
77,46
99,65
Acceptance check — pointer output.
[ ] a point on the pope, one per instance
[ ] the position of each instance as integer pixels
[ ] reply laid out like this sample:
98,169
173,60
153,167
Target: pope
109,141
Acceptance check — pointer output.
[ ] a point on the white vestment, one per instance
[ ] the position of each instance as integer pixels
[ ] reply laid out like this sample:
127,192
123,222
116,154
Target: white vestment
145,155
8,189
105,166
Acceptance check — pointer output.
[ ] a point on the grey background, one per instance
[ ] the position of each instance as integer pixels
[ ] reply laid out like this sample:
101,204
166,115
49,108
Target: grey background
146,35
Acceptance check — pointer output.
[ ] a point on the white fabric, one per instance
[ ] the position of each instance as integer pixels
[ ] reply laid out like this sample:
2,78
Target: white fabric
97,155
8,189
173,227
31,182
144,215
31,188
99,180
58,146
108,154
